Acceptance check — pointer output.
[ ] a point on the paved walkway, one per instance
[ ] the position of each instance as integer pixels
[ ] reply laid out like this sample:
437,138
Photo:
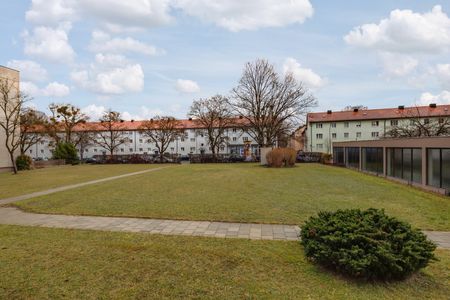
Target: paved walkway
14,216
73,186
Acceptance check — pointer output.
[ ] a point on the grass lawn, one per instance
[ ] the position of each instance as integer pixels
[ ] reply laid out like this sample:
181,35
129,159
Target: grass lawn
247,193
41,179
41,263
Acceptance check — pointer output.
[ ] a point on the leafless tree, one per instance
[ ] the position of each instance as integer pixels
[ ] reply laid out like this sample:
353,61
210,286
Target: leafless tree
110,135
31,122
162,131
66,117
214,115
272,104
414,124
353,107
83,139
11,104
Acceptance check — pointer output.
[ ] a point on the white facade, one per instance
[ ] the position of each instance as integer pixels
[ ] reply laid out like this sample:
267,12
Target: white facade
192,143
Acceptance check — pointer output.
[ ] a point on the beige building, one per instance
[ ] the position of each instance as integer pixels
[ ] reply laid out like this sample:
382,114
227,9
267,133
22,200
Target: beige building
10,75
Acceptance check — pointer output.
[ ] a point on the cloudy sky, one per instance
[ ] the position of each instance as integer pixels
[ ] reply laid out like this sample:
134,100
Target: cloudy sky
147,57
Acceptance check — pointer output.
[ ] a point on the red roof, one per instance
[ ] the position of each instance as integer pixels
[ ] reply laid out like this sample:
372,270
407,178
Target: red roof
384,113
136,125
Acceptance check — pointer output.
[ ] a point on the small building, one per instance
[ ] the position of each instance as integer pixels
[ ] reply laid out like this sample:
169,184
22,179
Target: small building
11,76
423,162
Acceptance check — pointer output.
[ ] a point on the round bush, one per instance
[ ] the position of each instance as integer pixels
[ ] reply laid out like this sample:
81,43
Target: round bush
365,244
24,162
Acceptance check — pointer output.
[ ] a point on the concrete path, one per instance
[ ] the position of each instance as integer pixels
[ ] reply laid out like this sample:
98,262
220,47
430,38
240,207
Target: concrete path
73,186
14,216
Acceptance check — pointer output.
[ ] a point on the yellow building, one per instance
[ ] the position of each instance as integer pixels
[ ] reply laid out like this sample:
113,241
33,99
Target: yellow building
5,161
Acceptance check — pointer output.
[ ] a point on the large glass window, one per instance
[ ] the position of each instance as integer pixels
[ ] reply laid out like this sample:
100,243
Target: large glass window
372,159
405,163
417,165
434,167
439,168
352,157
338,155
446,168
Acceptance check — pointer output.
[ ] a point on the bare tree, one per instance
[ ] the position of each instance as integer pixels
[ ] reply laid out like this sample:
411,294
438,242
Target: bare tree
83,139
162,131
11,103
31,122
111,135
414,124
272,105
214,115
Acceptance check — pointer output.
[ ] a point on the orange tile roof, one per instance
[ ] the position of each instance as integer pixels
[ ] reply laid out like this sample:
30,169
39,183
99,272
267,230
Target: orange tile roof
135,125
376,114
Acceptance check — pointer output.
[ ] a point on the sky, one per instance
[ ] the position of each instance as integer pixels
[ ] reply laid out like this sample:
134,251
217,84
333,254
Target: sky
154,57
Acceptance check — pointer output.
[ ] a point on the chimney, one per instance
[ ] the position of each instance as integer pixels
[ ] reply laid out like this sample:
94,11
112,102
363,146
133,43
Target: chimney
190,119
433,105
240,117
132,120
401,107
329,112
355,110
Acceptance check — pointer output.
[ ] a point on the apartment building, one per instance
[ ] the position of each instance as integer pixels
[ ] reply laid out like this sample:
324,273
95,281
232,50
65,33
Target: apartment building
12,76
194,141
325,128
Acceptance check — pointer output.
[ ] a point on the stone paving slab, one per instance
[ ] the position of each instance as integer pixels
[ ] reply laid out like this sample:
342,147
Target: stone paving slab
73,186
15,216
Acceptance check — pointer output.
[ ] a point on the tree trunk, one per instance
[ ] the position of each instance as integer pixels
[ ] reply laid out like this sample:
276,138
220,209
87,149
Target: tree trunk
161,155
11,155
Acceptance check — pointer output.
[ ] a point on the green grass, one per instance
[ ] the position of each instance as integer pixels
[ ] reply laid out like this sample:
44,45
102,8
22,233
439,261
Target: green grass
247,193
41,179
39,263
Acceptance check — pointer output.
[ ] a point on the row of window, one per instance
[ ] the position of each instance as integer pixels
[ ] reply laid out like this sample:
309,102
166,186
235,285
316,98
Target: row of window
376,123
374,134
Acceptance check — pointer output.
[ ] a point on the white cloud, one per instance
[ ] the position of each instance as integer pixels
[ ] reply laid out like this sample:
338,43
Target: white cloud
187,86
236,15
110,74
307,76
29,70
145,113
103,42
50,12
29,88
441,98
48,43
396,65
53,89
405,32
93,111
114,14
443,74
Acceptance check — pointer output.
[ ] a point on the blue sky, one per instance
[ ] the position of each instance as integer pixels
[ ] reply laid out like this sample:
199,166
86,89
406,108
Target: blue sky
147,57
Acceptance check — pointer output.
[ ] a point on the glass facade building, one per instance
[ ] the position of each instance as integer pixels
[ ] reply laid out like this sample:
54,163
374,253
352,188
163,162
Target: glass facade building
422,161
